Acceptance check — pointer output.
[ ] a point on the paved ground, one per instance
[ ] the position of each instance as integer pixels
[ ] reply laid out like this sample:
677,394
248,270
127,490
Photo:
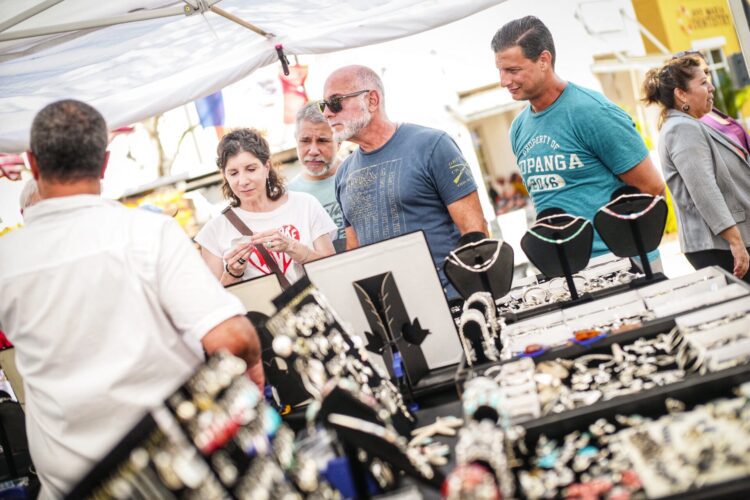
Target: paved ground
674,262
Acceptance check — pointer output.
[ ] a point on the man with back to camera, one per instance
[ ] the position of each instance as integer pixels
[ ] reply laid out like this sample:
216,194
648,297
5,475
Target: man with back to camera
403,177
574,147
107,306
317,150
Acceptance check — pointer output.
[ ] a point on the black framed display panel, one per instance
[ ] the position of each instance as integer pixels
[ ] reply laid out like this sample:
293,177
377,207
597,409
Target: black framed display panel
409,259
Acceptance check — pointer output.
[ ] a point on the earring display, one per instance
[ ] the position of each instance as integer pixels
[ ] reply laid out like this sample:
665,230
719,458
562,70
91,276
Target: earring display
366,429
150,463
617,313
215,438
581,464
309,336
247,447
634,456
718,336
483,442
505,394
395,336
591,280
687,450
479,328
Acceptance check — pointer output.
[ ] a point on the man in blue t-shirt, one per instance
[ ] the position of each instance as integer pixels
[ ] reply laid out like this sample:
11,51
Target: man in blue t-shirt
403,177
316,150
574,147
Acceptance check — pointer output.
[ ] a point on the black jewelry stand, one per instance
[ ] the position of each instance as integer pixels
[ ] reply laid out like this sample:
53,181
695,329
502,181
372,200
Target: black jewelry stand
496,279
340,401
393,332
559,251
287,382
635,235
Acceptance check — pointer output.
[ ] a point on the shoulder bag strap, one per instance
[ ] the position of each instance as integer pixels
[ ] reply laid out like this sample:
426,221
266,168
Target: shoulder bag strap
270,261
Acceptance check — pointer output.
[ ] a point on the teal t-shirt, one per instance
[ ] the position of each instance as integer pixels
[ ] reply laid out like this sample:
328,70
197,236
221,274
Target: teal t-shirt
325,192
571,153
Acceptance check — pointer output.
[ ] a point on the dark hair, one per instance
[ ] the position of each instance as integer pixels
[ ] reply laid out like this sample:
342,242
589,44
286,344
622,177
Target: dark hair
69,141
250,141
529,33
659,85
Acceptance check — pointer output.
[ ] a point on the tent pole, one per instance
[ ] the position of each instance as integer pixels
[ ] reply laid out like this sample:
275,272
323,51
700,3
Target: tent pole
240,21
176,10
28,13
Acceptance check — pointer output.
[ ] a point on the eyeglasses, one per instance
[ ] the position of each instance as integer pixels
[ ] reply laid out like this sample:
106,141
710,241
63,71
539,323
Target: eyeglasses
334,103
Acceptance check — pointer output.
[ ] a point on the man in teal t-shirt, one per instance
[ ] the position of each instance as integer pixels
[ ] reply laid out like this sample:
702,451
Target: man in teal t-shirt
573,146
316,149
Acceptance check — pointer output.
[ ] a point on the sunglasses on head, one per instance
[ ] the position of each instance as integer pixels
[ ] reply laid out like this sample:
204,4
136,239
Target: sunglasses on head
684,53
334,103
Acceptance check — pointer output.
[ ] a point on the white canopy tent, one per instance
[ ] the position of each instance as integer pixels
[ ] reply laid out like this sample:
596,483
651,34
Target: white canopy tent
132,59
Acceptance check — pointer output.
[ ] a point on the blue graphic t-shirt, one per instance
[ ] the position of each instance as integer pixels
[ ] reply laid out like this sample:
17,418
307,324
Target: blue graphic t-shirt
405,186
571,153
325,191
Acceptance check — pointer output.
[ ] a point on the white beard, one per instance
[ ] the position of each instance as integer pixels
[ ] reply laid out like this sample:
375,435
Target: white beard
354,126
321,173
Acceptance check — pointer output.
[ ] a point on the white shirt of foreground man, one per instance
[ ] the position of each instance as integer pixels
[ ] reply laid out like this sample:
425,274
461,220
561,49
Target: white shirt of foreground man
106,306
117,288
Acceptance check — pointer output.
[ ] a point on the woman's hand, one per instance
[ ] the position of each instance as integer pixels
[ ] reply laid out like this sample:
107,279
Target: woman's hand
741,259
236,257
274,241
739,252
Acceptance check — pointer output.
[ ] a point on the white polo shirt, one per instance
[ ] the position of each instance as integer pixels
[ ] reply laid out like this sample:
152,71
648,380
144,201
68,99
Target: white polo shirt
101,302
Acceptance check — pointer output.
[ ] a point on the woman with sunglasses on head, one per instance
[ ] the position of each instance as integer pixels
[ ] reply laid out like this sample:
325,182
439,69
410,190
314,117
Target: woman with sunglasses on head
292,227
707,173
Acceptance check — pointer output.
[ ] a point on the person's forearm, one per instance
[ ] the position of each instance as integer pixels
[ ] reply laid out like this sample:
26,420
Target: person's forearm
732,236
227,279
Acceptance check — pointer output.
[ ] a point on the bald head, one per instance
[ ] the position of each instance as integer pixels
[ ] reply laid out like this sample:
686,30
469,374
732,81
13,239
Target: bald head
358,78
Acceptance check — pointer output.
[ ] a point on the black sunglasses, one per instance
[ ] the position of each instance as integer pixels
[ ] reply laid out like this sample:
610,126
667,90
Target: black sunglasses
334,103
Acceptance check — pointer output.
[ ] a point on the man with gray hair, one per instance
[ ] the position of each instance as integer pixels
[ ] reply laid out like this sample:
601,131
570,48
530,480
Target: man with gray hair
403,177
316,149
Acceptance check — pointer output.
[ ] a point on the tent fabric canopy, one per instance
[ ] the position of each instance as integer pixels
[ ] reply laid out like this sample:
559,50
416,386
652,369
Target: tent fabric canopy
133,70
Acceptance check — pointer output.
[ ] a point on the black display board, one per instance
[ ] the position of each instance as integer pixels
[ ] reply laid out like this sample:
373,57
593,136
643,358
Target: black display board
482,266
559,246
632,225
392,331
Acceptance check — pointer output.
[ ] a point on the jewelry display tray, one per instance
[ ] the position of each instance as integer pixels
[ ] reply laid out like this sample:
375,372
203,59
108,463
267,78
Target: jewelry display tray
118,455
648,329
692,391
582,299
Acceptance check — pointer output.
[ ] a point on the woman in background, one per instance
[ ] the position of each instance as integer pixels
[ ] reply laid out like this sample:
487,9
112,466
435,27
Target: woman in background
707,173
293,226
